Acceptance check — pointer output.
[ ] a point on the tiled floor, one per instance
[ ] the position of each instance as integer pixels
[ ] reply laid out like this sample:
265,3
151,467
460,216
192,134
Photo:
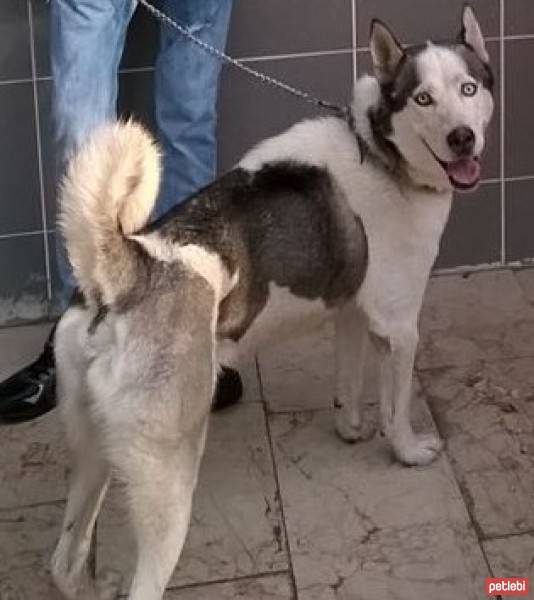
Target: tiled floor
286,510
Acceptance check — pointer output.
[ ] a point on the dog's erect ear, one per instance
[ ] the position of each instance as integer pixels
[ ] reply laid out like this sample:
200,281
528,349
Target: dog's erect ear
471,34
386,51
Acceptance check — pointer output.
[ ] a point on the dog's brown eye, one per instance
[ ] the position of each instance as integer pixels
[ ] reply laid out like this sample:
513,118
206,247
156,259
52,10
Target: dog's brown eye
469,89
424,99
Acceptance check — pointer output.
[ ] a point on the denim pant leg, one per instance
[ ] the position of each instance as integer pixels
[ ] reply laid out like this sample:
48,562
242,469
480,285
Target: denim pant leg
186,85
86,43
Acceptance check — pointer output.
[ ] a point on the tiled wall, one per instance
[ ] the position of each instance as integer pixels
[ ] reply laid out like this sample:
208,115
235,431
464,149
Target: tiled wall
316,44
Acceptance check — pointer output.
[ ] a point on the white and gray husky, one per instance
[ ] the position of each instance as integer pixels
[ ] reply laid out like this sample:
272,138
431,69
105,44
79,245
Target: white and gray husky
338,216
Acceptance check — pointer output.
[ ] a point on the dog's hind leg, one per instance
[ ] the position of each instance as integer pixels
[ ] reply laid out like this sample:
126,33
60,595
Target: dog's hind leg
350,350
90,472
160,482
70,565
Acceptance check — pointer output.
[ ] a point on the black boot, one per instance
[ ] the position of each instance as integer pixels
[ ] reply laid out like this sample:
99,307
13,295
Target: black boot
31,392
229,389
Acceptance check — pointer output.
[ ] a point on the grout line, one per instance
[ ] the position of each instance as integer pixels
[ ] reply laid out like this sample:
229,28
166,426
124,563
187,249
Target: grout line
468,269
354,44
513,265
39,154
252,576
49,77
511,38
15,81
294,595
505,536
20,322
58,502
519,178
7,236
246,59
465,495
503,137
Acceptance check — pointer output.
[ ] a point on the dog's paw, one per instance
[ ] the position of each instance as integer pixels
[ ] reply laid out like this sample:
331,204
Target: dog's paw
419,449
108,584
349,432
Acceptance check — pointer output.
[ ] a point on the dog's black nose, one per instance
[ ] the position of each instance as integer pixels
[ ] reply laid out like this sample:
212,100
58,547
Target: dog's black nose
461,141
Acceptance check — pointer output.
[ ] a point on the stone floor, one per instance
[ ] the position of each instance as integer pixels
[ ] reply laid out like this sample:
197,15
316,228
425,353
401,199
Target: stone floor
285,510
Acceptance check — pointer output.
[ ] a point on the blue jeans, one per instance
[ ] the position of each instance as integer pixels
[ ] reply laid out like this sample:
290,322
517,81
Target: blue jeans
87,40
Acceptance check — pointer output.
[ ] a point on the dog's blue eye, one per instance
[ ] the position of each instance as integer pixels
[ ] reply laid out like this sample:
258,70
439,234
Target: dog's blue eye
424,99
469,89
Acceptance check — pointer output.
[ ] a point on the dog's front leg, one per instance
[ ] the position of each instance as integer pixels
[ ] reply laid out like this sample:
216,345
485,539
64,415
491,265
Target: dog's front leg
397,353
350,351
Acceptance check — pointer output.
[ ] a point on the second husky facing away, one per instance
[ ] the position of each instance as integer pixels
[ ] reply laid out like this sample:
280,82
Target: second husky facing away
326,220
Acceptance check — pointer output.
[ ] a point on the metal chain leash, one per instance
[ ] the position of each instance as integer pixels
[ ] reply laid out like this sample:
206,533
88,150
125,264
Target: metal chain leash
339,111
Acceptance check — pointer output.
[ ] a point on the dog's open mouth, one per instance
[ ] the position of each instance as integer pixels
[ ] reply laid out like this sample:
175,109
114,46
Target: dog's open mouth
463,173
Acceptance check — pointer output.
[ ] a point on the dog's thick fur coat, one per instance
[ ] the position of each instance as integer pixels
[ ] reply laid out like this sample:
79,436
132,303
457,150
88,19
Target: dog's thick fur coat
329,219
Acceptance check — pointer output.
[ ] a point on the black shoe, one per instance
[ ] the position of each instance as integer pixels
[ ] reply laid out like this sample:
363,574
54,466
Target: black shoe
31,392
229,389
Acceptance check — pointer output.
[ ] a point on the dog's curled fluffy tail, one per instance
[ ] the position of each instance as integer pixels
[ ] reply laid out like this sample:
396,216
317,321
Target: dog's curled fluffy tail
107,194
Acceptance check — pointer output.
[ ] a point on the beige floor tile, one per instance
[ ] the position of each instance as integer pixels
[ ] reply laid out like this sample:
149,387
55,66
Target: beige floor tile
486,415
276,587
236,527
512,557
33,462
482,317
27,540
525,277
363,527
299,374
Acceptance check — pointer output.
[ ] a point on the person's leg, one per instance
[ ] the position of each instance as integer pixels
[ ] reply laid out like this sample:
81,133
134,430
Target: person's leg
86,44
186,85
86,41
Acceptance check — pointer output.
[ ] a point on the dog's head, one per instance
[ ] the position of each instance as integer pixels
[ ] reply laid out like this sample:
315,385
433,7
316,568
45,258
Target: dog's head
436,102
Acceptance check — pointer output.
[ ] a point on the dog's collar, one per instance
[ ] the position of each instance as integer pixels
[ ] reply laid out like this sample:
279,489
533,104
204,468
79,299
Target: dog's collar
391,164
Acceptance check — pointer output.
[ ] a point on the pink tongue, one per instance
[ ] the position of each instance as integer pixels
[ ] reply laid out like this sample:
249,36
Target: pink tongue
465,171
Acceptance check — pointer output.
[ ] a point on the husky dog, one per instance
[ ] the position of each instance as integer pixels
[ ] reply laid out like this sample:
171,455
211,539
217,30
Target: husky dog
334,217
